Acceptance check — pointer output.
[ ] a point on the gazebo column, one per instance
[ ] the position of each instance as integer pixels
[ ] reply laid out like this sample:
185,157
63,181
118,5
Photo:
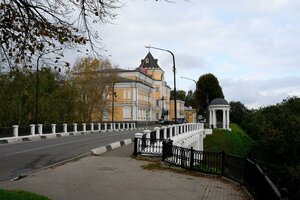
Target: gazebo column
214,119
224,118
210,118
227,119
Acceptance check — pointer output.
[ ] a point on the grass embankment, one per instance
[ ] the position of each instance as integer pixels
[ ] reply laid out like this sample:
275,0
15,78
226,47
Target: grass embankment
20,195
236,142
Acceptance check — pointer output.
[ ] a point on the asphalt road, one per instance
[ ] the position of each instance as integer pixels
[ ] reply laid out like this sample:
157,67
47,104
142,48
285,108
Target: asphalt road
16,159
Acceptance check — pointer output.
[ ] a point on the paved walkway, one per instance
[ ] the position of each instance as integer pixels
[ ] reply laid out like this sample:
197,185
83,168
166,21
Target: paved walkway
114,175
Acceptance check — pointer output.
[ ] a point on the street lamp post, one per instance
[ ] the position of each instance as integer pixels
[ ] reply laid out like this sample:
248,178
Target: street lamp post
113,103
174,71
195,90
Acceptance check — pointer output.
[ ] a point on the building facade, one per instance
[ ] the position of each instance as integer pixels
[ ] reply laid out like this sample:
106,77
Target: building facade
139,95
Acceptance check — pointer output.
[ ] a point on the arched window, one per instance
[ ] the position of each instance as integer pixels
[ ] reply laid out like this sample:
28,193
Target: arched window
126,113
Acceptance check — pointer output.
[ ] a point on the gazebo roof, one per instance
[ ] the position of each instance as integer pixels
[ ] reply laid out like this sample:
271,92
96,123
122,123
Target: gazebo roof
218,101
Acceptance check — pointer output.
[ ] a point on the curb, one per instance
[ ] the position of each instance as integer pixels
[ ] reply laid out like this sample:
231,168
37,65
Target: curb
111,146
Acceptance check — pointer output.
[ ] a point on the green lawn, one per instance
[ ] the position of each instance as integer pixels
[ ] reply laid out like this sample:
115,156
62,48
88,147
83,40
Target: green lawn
20,195
236,142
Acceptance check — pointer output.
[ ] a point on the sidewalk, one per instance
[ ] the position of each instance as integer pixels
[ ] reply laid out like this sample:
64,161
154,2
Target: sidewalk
115,175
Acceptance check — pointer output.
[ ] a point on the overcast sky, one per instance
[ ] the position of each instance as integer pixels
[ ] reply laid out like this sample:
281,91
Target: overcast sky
251,46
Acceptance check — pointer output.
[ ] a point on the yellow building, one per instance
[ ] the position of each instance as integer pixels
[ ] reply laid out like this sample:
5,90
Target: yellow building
140,95
180,111
190,115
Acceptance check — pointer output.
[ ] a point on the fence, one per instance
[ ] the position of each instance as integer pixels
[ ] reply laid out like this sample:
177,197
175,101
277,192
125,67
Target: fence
40,129
239,169
150,142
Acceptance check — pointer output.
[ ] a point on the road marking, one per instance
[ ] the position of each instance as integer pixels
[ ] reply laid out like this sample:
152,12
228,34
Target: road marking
54,145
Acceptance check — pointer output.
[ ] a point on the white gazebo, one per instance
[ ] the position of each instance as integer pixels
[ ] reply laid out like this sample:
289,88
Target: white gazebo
214,106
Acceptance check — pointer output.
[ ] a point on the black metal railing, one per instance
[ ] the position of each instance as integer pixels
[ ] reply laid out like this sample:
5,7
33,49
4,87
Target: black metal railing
70,128
237,168
23,131
6,132
59,128
258,184
161,134
88,127
47,129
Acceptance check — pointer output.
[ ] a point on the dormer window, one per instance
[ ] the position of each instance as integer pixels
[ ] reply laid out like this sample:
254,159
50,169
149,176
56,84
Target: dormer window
147,60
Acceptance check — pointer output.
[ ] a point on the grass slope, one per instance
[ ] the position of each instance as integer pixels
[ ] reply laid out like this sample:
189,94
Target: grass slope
20,195
236,142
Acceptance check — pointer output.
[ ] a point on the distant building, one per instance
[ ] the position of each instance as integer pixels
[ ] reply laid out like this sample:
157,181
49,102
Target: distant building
180,111
190,115
140,95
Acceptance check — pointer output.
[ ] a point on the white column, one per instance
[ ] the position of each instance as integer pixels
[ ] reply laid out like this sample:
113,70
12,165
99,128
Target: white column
224,120
53,128
84,127
65,128
139,137
99,127
40,129
165,132
16,130
92,126
105,126
157,132
170,128
147,132
75,127
32,129
210,118
228,118
214,118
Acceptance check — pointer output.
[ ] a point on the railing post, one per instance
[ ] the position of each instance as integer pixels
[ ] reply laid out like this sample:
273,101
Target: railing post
99,126
137,139
171,133
32,129
157,132
223,163
165,132
40,129
16,130
192,159
53,128
84,127
75,127
65,128
92,126
105,126
127,126
182,154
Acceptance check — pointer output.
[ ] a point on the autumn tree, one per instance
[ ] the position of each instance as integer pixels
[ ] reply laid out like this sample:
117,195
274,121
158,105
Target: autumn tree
59,101
208,88
31,28
95,80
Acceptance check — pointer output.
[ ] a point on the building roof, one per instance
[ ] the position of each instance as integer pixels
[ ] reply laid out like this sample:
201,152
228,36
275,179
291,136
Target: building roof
218,101
149,62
